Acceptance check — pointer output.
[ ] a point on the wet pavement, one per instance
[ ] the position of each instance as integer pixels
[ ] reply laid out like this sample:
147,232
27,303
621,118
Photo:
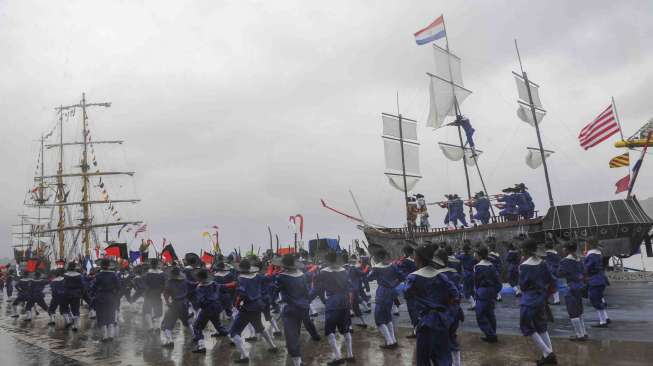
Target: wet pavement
627,342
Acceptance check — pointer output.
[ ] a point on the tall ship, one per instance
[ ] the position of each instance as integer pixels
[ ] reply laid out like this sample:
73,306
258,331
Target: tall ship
620,225
81,199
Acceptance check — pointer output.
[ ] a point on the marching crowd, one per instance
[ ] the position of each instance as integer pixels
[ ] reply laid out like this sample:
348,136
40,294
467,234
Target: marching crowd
235,294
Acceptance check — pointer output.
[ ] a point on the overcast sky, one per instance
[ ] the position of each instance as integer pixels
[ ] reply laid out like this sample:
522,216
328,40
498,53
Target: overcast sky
242,113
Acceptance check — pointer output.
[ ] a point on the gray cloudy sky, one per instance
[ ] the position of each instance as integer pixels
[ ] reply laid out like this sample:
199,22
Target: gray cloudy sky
242,113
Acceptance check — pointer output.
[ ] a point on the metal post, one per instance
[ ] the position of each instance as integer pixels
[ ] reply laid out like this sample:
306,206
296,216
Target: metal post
403,172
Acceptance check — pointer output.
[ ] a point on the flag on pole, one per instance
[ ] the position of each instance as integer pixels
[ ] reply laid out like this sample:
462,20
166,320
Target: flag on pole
141,229
623,184
597,131
432,32
620,161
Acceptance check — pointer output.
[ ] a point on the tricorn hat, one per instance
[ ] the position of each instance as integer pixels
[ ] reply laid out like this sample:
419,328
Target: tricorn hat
288,261
245,266
176,274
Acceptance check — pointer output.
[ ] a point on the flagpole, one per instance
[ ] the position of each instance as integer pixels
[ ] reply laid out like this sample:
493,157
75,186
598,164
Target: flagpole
537,127
640,162
614,107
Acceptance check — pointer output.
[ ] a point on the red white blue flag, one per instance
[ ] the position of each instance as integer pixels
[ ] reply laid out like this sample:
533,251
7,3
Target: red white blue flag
432,32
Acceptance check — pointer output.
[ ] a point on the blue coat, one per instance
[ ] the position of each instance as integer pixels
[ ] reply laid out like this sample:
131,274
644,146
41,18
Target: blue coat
552,259
387,277
431,290
154,281
57,287
106,284
594,268
294,290
335,284
176,289
37,287
207,295
73,283
250,291
486,281
534,282
571,269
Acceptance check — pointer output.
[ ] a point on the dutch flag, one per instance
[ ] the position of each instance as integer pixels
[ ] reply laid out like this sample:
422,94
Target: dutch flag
432,32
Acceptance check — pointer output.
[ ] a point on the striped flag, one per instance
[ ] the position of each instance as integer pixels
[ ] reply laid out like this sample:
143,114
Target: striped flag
597,131
141,229
620,161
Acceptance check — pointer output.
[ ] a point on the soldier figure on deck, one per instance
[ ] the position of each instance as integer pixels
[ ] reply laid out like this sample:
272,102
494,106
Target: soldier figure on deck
482,206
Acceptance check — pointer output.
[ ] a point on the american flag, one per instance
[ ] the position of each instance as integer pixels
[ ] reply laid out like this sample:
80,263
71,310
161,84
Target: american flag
597,131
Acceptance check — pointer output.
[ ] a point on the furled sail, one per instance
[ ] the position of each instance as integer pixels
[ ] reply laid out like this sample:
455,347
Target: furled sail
524,113
534,158
455,153
393,138
445,87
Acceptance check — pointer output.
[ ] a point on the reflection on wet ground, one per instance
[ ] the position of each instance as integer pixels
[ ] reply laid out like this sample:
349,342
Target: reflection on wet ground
625,343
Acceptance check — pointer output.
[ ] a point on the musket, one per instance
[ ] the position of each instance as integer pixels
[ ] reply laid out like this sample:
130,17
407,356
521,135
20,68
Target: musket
271,250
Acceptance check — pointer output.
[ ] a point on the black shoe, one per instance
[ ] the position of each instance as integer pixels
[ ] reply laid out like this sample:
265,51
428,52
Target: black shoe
51,323
273,350
586,337
576,339
277,334
548,360
364,326
242,360
316,339
608,321
368,311
600,325
336,362
199,350
168,345
104,340
471,308
251,339
490,339
396,314
350,359
411,336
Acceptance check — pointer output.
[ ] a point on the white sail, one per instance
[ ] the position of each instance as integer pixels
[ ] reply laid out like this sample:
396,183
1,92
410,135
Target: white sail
524,113
442,100
455,153
392,146
534,158
447,65
397,181
391,127
523,91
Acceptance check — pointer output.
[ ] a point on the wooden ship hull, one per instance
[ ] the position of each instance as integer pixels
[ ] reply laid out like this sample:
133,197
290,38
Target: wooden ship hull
620,226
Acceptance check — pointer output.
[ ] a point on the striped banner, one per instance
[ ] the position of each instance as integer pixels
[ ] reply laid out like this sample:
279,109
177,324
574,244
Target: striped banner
620,161
597,131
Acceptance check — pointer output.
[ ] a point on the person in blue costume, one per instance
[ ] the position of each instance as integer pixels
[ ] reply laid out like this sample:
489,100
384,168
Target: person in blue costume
387,277
355,277
207,302
269,295
458,213
508,201
449,217
250,305
9,283
87,292
525,205
455,311
106,288
552,259
23,286
36,295
223,273
295,294
467,262
333,284
597,282
192,264
454,263
73,283
434,294
406,265
535,280
495,258
482,206
513,259
58,300
572,270
154,281
175,295
486,285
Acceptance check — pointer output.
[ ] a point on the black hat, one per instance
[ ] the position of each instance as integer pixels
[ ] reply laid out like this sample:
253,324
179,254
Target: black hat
419,195
104,263
192,260
154,263
222,266
440,258
332,258
381,255
245,266
203,276
72,266
480,194
288,261
175,274
529,246
521,186
455,196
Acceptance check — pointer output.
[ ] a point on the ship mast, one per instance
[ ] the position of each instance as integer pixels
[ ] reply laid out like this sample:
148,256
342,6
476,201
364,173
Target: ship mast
61,196
536,124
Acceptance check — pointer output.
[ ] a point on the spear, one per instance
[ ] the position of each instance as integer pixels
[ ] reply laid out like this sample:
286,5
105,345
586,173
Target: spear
271,250
277,236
